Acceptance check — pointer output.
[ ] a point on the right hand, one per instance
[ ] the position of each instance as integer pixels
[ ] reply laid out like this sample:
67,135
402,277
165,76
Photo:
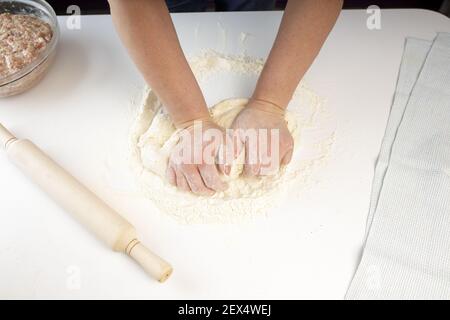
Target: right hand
192,162
264,158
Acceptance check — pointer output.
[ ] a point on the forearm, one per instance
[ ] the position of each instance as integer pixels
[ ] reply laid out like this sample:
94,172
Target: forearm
146,29
303,30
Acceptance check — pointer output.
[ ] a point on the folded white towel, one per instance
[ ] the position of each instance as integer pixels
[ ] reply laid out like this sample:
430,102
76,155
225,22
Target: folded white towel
407,250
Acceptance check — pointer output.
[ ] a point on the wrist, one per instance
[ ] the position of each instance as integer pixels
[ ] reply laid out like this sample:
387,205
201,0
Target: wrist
186,111
266,106
191,121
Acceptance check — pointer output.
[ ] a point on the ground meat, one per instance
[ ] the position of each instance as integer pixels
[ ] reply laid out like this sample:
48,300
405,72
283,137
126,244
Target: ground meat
22,39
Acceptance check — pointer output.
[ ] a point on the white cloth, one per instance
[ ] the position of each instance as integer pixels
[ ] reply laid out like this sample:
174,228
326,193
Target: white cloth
407,250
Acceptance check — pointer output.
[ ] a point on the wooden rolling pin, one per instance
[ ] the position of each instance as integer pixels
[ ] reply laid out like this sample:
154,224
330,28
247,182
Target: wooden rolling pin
84,205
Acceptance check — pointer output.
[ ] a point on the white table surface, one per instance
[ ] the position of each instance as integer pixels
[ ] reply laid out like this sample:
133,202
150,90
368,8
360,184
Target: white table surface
80,114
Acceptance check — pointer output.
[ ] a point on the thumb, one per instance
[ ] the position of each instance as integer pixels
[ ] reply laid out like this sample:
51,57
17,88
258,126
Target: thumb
287,157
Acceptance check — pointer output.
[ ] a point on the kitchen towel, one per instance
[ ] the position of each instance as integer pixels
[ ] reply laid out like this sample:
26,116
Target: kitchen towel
407,248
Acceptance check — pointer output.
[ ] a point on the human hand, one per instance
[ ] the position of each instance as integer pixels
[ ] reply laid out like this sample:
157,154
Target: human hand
192,162
263,131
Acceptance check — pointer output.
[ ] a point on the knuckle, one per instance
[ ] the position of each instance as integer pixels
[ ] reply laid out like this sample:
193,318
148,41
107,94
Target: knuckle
186,168
195,188
198,189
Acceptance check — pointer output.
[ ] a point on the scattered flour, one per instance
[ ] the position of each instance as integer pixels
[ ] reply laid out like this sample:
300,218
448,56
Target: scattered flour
311,125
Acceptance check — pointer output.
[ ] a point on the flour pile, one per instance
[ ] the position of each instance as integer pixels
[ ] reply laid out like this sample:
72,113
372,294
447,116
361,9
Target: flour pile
152,138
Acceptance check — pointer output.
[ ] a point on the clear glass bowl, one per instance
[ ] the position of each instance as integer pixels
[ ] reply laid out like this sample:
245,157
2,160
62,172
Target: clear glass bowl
32,73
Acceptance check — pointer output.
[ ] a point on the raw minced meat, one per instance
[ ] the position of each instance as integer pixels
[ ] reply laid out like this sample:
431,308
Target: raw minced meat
22,39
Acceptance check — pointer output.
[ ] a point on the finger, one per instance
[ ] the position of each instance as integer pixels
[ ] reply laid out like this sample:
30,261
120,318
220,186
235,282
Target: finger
211,177
268,155
238,147
252,165
182,184
195,181
223,159
287,157
229,151
247,167
225,169
171,176
238,144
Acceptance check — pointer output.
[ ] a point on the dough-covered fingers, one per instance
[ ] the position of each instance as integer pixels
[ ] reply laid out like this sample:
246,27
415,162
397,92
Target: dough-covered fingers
211,178
194,180
229,151
287,157
286,147
252,161
171,176
273,143
182,183
268,155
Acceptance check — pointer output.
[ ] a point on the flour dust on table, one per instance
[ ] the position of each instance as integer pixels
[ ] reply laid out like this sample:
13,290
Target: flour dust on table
153,136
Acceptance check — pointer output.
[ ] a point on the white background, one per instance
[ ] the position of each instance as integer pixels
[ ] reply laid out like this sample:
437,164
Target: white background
80,114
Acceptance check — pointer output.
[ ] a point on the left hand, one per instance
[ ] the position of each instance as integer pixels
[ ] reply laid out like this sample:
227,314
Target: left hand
269,148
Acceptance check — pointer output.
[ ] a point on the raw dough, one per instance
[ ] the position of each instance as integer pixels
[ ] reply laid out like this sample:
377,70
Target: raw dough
152,139
157,142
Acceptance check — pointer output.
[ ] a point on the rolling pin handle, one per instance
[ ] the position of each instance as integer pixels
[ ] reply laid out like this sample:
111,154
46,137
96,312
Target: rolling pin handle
150,262
6,137
62,186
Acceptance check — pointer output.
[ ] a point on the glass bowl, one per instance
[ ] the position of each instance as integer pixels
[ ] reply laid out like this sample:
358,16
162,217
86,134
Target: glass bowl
33,72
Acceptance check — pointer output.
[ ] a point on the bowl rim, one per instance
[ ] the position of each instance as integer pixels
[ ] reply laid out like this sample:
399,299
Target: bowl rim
5,81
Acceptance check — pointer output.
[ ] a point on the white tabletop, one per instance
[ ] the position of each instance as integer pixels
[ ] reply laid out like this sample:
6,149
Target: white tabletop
81,112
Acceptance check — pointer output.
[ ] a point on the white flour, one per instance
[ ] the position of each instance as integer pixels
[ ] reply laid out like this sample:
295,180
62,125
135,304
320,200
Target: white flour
308,121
